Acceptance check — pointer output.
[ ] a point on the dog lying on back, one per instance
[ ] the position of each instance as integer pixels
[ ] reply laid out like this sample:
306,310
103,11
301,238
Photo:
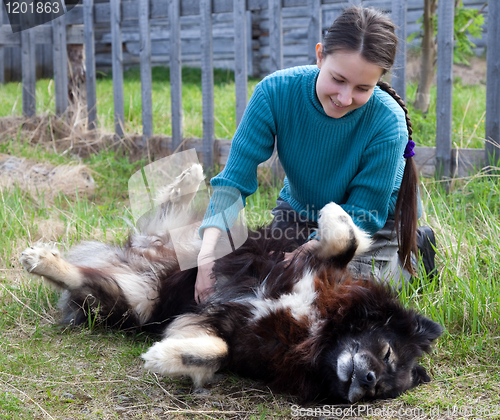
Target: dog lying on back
304,326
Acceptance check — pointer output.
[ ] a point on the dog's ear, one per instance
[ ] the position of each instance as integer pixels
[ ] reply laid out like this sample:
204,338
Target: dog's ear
425,332
419,375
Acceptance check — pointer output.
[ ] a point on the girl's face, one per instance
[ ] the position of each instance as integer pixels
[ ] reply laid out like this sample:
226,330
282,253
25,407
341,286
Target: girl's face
345,82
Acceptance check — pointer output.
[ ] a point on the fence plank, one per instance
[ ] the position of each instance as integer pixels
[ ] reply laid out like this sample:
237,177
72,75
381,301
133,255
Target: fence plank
240,57
492,125
28,71
146,78
90,72
444,103
275,35
43,35
207,82
399,9
314,34
175,72
249,43
60,57
117,66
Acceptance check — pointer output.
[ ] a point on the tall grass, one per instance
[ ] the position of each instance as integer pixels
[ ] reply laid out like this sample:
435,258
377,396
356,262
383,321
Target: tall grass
469,107
467,224
224,101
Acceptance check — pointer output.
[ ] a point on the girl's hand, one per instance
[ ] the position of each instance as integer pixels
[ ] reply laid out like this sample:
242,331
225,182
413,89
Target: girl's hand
205,279
308,246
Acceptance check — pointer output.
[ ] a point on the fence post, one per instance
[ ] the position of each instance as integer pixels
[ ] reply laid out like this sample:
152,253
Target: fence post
2,56
492,125
90,82
275,35
207,83
399,9
174,17
444,100
146,81
240,57
314,34
117,66
60,57
28,71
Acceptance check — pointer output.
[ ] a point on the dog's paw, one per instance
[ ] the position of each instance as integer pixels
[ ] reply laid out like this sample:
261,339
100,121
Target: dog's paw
197,357
338,233
191,178
36,259
184,187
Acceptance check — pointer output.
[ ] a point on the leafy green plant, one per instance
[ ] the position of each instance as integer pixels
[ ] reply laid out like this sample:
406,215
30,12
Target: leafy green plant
468,23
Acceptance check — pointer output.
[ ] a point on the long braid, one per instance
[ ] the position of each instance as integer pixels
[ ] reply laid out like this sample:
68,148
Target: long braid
406,213
386,87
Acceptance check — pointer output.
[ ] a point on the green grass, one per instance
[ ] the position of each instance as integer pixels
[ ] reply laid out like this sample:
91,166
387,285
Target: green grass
469,107
47,371
224,101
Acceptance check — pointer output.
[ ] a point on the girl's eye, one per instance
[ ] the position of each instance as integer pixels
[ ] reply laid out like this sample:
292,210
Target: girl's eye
363,89
337,80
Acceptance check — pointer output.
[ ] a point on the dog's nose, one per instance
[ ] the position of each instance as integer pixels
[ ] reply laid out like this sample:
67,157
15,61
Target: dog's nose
368,381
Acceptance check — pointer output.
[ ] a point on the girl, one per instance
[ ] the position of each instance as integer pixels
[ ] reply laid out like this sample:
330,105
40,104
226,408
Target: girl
342,135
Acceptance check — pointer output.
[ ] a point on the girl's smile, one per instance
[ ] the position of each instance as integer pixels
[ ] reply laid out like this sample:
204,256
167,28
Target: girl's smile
345,81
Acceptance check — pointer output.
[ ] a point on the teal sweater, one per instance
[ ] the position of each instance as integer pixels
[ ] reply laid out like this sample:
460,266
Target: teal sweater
355,161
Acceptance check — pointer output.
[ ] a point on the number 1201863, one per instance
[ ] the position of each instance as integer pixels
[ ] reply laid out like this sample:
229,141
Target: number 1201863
32,7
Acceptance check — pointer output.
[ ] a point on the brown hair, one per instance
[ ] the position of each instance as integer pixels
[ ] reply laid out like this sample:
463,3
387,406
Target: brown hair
406,212
364,30
371,33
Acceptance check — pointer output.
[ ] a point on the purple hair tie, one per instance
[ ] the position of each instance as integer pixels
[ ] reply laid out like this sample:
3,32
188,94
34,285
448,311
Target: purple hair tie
409,150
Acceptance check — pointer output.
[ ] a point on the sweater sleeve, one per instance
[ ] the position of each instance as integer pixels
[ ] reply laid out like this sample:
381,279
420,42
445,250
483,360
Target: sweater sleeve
252,144
371,193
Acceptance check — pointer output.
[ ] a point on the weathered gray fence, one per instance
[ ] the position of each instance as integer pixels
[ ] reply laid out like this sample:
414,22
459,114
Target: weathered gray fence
492,126
78,26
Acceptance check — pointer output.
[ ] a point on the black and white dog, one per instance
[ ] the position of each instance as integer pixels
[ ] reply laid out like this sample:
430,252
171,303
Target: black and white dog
304,326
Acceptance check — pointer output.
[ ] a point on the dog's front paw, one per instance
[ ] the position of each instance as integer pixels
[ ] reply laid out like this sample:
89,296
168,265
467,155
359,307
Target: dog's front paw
338,233
36,259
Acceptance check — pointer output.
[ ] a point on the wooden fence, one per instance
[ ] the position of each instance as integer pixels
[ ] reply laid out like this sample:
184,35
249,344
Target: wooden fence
78,27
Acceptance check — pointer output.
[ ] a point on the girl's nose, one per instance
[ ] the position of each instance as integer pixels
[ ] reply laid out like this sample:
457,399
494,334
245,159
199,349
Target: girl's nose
345,96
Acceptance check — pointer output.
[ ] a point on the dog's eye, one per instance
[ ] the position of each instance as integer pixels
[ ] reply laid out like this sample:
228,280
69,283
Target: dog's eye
387,355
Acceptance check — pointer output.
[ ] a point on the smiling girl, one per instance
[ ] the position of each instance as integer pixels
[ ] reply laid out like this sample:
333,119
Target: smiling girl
342,136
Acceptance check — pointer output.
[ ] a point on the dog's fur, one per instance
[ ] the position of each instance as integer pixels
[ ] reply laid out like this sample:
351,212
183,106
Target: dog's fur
303,326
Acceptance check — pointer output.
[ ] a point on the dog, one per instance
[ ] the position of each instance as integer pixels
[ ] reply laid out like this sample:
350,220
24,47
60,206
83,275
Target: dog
303,326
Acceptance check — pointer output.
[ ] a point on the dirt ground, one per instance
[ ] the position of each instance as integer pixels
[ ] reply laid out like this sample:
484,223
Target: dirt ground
470,75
